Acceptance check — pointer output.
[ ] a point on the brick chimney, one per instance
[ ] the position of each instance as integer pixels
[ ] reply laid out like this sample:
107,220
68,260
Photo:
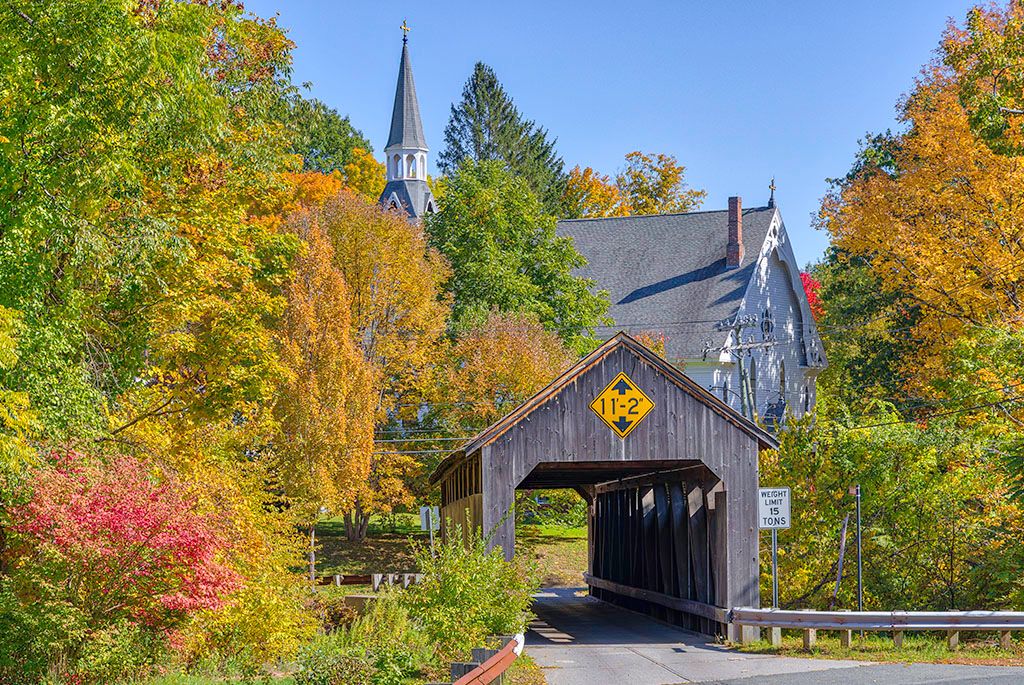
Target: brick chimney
734,248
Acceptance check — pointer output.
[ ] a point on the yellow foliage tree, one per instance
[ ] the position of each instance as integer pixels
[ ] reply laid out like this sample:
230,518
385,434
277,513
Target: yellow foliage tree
590,194
398,321
941,222
326,408
656,184
365,175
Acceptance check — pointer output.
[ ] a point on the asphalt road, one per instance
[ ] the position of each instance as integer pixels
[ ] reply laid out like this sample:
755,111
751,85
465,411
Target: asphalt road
579,640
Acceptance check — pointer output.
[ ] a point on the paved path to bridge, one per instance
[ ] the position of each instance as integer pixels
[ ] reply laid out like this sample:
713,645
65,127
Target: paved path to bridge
579,640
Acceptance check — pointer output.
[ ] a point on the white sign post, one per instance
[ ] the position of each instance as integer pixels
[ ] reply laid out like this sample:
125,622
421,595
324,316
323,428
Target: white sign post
772,514
430,519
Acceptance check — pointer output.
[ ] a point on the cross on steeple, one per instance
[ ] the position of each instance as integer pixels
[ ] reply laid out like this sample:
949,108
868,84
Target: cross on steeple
405,31
771,198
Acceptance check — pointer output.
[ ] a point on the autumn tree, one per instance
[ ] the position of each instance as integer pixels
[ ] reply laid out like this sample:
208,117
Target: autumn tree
943,229
493,368
985,57
589,194
365,175
142,254
115,549
326,407
397,319
487,126
505,255
656,184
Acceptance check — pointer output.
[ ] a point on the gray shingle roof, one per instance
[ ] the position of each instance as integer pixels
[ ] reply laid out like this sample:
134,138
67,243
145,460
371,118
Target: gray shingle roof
413,194
406,126
666,273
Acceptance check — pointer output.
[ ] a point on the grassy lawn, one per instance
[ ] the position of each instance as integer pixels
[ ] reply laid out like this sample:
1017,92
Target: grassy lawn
386,549
560,552
975,648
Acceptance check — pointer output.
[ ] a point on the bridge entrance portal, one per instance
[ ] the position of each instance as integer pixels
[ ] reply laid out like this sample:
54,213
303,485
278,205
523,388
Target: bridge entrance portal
672,496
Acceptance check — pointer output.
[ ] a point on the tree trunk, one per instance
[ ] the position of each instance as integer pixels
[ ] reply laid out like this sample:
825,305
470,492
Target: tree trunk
356,524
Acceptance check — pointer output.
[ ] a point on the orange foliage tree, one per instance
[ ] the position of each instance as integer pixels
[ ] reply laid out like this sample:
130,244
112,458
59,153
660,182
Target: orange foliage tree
649,184
591,194
943,225
326,405
398,321
496,366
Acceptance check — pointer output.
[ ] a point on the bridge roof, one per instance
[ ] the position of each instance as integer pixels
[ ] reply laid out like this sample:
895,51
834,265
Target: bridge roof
621,340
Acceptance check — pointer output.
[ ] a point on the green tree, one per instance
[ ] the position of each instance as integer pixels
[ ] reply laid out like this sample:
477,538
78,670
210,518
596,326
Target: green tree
323,138
486,126
505,255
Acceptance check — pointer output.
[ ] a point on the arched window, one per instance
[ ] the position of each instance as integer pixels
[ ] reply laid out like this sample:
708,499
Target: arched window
411,162
725,391
423,166
767,325
398,166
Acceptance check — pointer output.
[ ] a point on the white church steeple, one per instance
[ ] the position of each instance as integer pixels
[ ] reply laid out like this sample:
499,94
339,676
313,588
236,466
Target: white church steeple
406,149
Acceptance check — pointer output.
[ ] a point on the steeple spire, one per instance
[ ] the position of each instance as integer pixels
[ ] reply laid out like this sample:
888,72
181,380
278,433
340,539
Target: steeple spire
406,149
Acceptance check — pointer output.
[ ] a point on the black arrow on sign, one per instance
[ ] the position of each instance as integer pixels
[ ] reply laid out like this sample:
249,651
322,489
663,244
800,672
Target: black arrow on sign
622,386
622,424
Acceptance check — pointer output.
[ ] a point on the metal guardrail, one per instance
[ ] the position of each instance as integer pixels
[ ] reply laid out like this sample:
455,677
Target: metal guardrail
488,665
896,622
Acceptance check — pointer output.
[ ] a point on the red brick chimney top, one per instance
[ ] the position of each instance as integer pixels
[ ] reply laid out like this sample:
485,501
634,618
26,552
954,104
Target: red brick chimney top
734,248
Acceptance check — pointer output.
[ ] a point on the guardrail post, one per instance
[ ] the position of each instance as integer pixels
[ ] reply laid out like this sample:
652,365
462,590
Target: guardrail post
810,638
375,580
775,636
897,638
953,639
1006,639
846,638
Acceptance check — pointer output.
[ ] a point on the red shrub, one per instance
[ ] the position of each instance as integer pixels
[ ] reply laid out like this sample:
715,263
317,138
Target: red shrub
122,540
811,288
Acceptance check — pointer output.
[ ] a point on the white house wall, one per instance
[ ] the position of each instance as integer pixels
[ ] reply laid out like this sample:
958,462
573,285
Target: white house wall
773,288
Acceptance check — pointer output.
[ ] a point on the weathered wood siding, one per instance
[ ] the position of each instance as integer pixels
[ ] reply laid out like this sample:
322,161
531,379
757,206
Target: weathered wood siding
680,428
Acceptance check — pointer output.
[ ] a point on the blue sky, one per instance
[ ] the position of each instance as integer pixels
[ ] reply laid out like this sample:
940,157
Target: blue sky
738,91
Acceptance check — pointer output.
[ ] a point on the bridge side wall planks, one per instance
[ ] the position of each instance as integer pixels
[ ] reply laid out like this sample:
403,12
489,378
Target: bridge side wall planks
563,432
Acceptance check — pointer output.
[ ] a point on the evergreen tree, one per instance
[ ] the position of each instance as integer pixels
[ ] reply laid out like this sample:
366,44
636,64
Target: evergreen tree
487,126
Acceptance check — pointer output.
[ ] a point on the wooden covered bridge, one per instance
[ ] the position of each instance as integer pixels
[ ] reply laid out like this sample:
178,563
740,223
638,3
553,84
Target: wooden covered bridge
668,470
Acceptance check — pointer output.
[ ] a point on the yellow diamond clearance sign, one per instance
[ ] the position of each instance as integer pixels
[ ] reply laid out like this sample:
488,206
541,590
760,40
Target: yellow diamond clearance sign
622,405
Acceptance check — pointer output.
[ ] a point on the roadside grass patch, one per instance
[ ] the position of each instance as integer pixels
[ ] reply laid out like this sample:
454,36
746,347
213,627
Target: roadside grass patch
560,552
975,649
386,549
525,671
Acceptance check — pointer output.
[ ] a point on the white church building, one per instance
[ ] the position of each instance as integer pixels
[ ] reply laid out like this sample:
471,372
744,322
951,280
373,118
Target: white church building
722,287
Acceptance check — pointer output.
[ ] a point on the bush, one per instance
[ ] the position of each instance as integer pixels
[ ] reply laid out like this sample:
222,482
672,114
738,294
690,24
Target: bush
469,593
102,557
331,609
381,647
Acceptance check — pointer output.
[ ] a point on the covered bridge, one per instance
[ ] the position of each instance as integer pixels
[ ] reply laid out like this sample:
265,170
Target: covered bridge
668,470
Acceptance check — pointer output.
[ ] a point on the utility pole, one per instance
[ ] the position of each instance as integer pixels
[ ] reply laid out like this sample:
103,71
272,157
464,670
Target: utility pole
740,351
855,491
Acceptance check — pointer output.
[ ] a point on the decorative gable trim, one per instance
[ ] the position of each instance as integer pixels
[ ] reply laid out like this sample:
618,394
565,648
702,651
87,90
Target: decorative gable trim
777,241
